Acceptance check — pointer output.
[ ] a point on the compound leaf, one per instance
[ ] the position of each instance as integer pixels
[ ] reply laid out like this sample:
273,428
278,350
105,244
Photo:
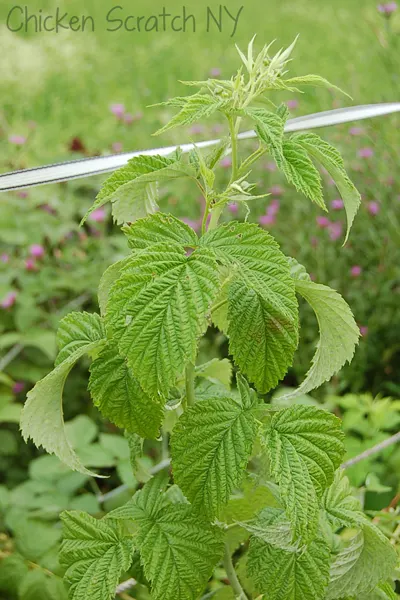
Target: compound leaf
210,448
133,188
262,307
284,575
95,553
158,309
368,560
332,161
178,549
269,128
305,447
76,331
119,397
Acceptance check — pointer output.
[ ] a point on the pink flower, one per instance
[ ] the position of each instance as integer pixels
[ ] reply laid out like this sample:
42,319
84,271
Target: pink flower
18,387
267,220
128,118
335,230
217,128
356,130
292,104
118,110
215,72
98,215
117,147
323,222
196,129
270,166
273,207
337,204
18,140
365,152
226,162
30,264
373,208
9,300
37,251
276,190
363,330
388,8
4,258
356,271
233,207
195,225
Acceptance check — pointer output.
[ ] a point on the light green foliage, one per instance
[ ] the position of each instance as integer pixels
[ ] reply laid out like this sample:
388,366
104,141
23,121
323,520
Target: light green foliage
95,553
272,527
367,560
300,171
269,128
211,446
342,509
107,280
314,81
133,189
338,330
159,228
178,548
158,308
305,447
262,313
119,396
216,371
281,574
192,109
76,331
42,416
38,585
332,161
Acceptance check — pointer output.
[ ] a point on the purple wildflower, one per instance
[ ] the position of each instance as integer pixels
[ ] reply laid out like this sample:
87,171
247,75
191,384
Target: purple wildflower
276,190
335,230
215,72
4,258
17,140
9,300
337,204
365,152
233,207
292,104
98,215
356,271
322,222
373,208
363,330
266,220
117,147
226,162
387,9
18,387
356,130
37,251
118,110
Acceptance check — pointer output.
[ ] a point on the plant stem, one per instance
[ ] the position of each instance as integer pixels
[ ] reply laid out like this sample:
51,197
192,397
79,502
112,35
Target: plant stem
234,145
371,451
231,574
189,384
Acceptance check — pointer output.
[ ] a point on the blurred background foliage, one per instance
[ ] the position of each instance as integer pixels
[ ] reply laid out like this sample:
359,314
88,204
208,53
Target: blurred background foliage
72,95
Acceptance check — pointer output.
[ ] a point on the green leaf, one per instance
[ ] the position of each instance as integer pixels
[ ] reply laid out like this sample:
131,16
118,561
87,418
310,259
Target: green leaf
384,591
193,108
315,81
13,569
284,575
158,309
332,161
262,307
300,171
76,331
178,549
211,446
342,509
216,371
305,447
159,228
118,395
269,128
42,417
95,553
272,527
133,188
368,560
37,585
338,331
107,280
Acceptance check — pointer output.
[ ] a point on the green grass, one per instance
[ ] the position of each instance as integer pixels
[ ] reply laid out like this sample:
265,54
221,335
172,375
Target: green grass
65,82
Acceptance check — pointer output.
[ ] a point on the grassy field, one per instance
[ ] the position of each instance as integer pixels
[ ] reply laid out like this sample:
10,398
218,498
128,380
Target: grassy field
65,82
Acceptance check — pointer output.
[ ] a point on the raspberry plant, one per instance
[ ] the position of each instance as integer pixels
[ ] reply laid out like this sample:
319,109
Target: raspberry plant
245,476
